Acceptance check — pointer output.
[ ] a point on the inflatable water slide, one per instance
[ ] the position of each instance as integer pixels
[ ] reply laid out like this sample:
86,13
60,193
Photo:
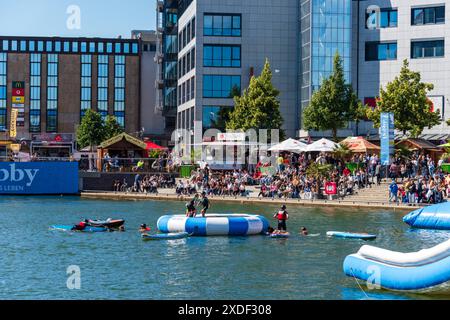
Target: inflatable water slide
432,217
425,271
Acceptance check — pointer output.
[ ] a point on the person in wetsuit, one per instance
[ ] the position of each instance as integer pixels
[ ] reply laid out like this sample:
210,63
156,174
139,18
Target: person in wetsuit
205,204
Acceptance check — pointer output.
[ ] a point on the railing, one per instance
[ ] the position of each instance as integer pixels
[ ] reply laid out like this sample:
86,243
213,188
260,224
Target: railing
94,164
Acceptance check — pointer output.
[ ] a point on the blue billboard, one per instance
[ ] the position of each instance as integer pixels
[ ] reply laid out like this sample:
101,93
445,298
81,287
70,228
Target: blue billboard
387,137
34,178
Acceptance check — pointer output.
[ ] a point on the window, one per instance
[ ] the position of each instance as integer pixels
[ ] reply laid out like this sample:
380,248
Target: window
102,96
5,45
385,18
58,46
52,93
3,83
222,25
119,89
23,45
428,15
427,49
221,56
49,46
215,86
35,92
86,84
75,46
135,48
32,46
376,51
66,46
215,117
83,47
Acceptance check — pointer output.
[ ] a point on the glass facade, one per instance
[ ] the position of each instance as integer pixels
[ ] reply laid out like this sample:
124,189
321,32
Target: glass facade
3,89
119,89
52,93
221,86
35,92
331,33
102,80
86,84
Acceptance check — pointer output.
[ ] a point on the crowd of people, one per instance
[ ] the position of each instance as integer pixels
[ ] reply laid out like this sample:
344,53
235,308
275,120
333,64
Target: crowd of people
145,184
418,180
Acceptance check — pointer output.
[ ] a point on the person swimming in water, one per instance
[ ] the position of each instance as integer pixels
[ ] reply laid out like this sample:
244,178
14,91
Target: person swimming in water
81,226
304,231
144,228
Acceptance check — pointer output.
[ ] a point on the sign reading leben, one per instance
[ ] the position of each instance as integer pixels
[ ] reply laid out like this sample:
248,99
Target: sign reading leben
39,178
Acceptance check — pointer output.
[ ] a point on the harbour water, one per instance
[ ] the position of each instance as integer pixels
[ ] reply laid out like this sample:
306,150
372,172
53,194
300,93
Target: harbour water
34,259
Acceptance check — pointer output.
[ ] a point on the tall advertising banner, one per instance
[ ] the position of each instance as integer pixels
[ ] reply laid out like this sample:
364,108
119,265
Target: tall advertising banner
387,137
38,178
13,124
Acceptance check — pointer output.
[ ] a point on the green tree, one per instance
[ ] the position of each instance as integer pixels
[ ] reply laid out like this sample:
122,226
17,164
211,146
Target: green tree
333,105
258,107
342,151
406,98
111,127
91,131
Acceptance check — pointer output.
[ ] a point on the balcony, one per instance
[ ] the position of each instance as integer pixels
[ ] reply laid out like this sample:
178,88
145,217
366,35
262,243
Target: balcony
159,84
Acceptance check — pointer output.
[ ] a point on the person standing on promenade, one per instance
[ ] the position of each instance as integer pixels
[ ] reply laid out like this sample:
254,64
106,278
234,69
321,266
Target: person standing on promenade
393,191
282,216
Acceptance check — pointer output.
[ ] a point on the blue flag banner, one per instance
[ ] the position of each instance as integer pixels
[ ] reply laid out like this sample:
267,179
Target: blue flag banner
34,178
387,137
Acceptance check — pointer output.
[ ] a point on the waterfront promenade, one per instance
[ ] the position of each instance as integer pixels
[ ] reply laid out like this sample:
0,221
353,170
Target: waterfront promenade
368,198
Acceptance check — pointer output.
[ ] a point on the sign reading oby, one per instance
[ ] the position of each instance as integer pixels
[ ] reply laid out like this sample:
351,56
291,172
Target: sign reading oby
35,178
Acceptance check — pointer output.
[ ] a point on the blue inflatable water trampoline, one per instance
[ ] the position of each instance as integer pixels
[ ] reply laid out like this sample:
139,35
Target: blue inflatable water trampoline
215,225
433,217
426,271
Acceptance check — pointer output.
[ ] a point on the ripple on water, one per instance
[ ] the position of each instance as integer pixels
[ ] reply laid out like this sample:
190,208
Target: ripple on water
122,266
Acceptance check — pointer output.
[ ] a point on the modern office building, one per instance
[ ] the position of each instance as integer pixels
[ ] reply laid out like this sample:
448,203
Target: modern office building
388,32
152,122
51,82
221,44
166,59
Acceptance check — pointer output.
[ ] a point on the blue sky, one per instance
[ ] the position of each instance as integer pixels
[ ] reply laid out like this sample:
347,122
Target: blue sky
99,18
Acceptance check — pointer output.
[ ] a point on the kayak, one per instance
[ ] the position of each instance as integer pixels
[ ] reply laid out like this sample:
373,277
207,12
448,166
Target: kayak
351,235
113,224
280,235
87,229
165,236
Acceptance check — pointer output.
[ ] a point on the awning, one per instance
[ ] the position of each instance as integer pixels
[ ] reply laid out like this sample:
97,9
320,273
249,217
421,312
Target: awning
123,136
153,146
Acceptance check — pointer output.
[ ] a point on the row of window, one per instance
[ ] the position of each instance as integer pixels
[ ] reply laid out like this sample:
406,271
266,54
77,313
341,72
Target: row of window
222,56
388,17
102,90
86,84
379,51
186,91
186,63
119,90
215,117
3,89
72,46
187,34
221,86
222,25
35,92
52,93
186,118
